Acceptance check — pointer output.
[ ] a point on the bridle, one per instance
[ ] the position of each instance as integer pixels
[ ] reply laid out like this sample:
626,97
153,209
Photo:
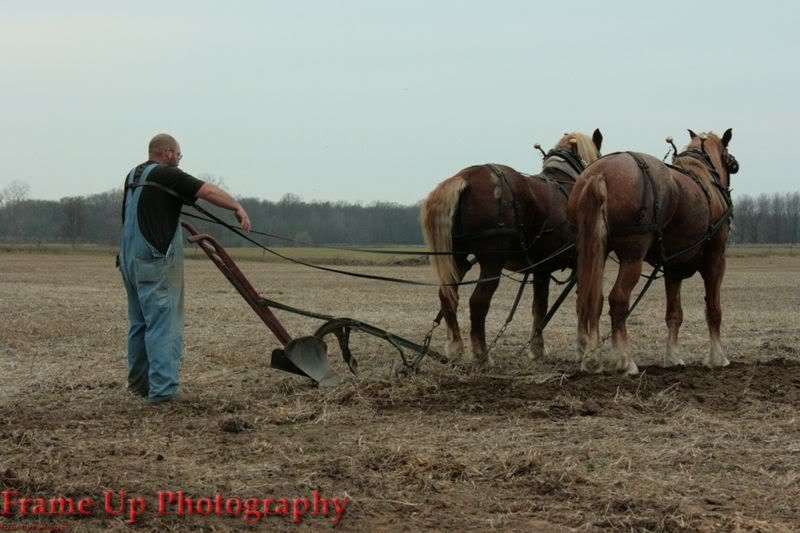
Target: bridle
730,162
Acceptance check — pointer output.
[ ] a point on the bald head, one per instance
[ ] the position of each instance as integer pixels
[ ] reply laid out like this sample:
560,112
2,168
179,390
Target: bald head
161,143
163,148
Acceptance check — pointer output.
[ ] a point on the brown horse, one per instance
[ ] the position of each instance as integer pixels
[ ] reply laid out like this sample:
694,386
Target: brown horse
504,219
644,210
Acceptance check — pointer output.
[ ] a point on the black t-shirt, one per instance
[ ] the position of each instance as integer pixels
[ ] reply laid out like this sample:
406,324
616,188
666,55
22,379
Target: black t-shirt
158,211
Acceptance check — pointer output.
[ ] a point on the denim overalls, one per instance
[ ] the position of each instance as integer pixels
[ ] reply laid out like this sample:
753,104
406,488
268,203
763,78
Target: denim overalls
154,283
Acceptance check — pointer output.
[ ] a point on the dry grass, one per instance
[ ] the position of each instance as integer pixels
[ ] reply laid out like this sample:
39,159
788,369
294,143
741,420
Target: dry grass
377,255
333,255
526,446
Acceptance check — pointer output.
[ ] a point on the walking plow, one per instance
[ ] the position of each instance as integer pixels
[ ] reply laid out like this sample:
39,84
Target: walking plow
308,356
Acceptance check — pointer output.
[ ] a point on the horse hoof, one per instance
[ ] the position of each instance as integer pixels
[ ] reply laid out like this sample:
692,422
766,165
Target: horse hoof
538,353
454,351
464,360
484,362
672,361
478,367
721,362
631,369
616,363
591,366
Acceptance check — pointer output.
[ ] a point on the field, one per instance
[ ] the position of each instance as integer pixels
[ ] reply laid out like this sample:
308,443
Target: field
354,255
523,446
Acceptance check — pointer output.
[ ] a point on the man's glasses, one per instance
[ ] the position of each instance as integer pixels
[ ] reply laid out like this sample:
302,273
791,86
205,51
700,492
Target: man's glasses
180,155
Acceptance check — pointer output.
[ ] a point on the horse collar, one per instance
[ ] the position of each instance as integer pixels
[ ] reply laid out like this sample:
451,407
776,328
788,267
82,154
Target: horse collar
574,164
702,156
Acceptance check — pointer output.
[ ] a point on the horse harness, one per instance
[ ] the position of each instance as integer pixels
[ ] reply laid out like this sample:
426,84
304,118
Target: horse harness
648,183
564,161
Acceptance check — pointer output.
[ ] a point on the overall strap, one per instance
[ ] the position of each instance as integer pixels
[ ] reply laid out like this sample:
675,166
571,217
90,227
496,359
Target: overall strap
146,173
130,178
132,183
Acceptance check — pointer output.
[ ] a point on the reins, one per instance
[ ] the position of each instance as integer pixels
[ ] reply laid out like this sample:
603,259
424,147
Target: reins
575,163
217,220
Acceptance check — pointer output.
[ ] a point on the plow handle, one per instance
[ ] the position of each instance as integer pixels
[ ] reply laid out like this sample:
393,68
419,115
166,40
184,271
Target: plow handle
226,265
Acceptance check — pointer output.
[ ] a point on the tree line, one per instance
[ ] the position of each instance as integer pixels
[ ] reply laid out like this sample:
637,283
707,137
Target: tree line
96,219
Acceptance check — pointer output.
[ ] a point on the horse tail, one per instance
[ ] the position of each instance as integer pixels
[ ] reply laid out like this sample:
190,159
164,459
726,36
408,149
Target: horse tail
436,216
592,222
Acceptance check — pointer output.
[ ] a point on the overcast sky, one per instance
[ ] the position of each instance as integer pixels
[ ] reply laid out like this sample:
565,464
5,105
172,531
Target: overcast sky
381,100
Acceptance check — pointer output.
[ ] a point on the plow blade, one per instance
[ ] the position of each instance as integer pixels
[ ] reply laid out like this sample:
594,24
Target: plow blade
306,356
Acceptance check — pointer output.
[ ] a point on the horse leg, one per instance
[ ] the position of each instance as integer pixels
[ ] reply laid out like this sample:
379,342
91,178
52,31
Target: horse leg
619,301
582,341
478,309
541,290
589,340
674,319
455,345
712,278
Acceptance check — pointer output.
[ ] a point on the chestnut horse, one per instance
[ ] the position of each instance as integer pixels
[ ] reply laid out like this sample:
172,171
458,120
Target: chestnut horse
676,216
504,219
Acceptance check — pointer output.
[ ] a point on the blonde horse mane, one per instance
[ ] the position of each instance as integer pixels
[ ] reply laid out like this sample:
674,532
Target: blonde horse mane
697,167
586,148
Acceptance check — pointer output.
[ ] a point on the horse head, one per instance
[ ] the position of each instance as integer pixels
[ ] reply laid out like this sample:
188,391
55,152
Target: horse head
588,149
715,149
575,150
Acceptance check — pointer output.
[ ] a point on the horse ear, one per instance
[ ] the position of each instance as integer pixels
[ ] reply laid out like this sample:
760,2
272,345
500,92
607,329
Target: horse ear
726,137
692,134
597,139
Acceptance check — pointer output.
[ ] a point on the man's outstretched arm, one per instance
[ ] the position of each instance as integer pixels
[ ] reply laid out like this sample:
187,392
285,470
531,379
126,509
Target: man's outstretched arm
213,194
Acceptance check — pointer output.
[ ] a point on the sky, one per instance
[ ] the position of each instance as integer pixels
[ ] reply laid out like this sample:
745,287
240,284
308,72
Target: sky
364,101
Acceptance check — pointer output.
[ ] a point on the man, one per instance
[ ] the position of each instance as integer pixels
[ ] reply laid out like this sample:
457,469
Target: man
151,261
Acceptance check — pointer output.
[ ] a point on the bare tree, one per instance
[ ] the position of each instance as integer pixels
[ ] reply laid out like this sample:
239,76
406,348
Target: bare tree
14,194
793,215
17,191
290,199
744,220
213,179
73,225
762,217
777,217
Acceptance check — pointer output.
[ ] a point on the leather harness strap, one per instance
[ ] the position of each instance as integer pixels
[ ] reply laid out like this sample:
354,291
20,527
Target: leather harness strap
562,160
517,221
648,182
576,166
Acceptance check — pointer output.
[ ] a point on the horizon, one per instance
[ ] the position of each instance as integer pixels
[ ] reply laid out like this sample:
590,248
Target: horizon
359,203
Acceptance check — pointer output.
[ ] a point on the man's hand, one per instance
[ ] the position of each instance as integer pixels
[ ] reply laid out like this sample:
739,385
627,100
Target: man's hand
241,216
